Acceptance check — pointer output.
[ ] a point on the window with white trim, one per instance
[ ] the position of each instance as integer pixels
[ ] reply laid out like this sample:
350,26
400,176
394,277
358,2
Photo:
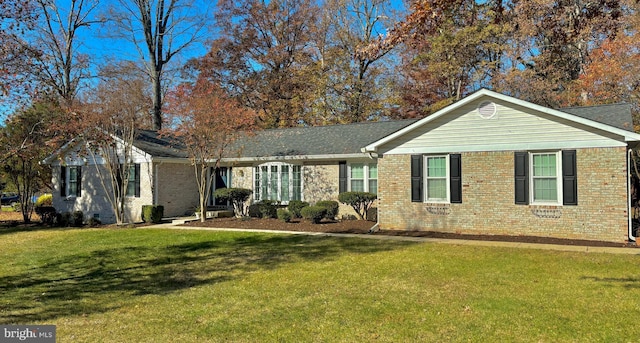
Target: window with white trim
363,177
70,181
278,181
437,178
545,177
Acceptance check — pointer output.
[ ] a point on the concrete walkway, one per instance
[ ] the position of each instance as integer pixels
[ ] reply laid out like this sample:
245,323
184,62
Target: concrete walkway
555,247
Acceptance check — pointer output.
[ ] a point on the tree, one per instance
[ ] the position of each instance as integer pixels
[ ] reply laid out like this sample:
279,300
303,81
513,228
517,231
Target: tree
552,46
465,52
108,123
15,53
26,140
60,66
263,56
160,30
352,87
208,123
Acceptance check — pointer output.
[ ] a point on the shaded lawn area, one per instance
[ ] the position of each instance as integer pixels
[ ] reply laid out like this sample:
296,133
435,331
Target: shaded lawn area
150,285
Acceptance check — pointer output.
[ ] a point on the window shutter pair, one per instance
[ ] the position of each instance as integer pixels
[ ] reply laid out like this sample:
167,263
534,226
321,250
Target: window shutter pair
63,181
455,178
569,177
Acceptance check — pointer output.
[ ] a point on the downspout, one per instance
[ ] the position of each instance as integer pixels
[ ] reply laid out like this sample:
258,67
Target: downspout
629,215
376,227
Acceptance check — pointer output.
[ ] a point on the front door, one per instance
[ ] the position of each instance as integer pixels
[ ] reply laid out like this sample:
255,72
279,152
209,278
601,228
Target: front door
222,179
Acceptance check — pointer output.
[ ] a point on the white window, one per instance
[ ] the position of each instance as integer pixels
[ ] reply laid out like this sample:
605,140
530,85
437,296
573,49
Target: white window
363,177
71,181
437,178
278,181
545,178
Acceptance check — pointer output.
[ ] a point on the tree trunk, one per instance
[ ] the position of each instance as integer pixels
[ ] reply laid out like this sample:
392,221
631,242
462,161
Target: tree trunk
157,102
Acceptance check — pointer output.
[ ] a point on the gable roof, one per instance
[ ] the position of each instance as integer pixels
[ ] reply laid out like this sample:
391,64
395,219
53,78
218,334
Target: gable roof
588,116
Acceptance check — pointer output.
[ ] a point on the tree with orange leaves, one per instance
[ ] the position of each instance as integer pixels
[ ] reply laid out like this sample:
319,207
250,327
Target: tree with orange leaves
207,122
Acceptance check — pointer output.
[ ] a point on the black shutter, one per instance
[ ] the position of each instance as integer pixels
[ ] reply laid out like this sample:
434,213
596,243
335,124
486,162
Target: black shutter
137,179
416,178
455,178
342,176
63,181
79,181
569,178
521,161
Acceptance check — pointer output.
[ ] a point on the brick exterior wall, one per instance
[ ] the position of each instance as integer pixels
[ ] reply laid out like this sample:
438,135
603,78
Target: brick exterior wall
488,199
177,189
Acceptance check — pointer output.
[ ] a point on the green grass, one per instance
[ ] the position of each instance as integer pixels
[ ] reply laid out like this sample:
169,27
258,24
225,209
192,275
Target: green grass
145,285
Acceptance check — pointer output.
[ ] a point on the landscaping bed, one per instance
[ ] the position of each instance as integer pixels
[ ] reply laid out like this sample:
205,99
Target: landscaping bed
363,227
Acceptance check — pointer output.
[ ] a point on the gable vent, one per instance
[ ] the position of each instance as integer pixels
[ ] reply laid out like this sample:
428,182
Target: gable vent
487,109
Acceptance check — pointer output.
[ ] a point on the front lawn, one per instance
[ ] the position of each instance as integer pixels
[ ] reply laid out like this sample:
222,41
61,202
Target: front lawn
150,285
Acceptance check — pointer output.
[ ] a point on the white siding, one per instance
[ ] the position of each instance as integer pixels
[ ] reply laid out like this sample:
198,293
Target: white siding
512,128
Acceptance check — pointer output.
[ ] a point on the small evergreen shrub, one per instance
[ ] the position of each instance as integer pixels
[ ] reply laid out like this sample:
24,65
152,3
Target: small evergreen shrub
284,215
254,211
63,219
314,213
295,206
47,214
77,219
359,201
237,197
152,213
331,206
268,208
94,222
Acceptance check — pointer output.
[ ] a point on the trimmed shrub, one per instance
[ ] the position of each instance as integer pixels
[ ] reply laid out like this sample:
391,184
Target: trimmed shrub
331,206
47,214
284,215
152,213
77,219
314,213
94,222
359,201
44,200
254,211
237,197
295,206
268,208
63,219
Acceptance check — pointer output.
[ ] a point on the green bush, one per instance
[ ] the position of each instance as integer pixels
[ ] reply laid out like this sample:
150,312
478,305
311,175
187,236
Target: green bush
295,206
314,213
77,219
63,219
254,211
268,208
47,214
360,201
44,200
284,215
372,214
94,222
237,197
152,213
331,206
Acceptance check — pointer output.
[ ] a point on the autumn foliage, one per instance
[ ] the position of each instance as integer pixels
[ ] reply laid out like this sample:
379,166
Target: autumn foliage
208,123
